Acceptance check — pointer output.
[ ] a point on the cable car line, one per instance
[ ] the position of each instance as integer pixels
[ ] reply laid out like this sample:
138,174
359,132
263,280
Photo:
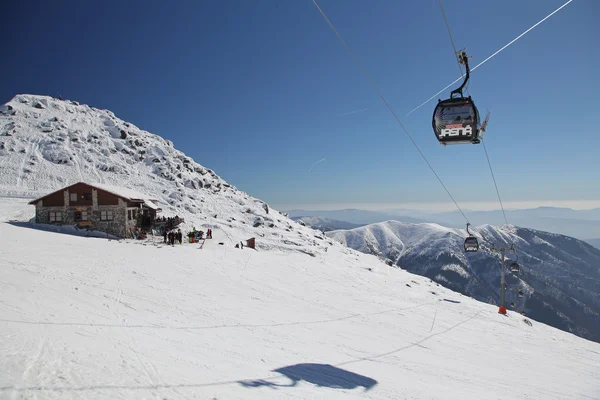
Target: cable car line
460,115
455,120
466,114
389,108
487,59
452,41
494,179
482,142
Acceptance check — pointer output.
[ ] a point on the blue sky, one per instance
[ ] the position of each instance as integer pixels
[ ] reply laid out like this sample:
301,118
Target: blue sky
261,90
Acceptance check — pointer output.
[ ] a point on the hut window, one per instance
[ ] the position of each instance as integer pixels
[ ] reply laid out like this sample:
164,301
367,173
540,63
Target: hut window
87,196
81,216
73,196
106,215
55,216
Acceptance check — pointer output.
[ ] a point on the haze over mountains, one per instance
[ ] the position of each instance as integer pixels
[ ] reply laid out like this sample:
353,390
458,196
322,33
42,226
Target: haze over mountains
354,216
594,242
325,224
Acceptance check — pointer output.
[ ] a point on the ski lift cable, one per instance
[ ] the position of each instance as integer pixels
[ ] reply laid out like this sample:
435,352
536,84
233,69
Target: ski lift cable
494,179
389,107
493,55
452,41
482,141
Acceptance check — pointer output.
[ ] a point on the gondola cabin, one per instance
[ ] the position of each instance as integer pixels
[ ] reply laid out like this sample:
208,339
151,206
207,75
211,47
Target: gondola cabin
515,268
456,121
471,244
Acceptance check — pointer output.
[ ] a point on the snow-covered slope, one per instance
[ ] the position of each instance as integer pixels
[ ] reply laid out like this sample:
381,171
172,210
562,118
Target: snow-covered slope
87,318
560,276
46,144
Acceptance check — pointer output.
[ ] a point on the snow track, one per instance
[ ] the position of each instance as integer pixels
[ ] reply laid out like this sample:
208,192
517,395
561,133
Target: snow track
31,148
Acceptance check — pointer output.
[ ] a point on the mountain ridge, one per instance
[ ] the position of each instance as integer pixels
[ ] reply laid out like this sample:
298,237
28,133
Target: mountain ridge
560,275
582,224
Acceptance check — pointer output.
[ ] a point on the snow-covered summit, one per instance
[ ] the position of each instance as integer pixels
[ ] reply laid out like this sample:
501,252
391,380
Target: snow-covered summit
48,143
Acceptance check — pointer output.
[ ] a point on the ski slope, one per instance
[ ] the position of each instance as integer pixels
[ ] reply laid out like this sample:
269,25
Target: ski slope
89,318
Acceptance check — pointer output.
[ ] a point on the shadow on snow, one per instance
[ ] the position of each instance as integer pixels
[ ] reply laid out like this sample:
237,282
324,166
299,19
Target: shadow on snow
324,375
64,229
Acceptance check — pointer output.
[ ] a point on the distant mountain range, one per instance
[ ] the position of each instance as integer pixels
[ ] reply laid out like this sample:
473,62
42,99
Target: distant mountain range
326,224
560,275
581,224
355,216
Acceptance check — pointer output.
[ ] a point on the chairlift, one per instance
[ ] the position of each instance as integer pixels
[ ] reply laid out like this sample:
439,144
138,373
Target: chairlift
471,243
521,293
456,120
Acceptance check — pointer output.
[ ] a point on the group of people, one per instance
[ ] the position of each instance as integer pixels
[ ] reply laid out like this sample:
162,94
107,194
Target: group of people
168,221
172,236
195,235
140,234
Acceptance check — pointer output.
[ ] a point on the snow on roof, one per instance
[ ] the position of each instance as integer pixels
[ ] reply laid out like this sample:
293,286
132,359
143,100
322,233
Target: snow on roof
126,193
122,192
